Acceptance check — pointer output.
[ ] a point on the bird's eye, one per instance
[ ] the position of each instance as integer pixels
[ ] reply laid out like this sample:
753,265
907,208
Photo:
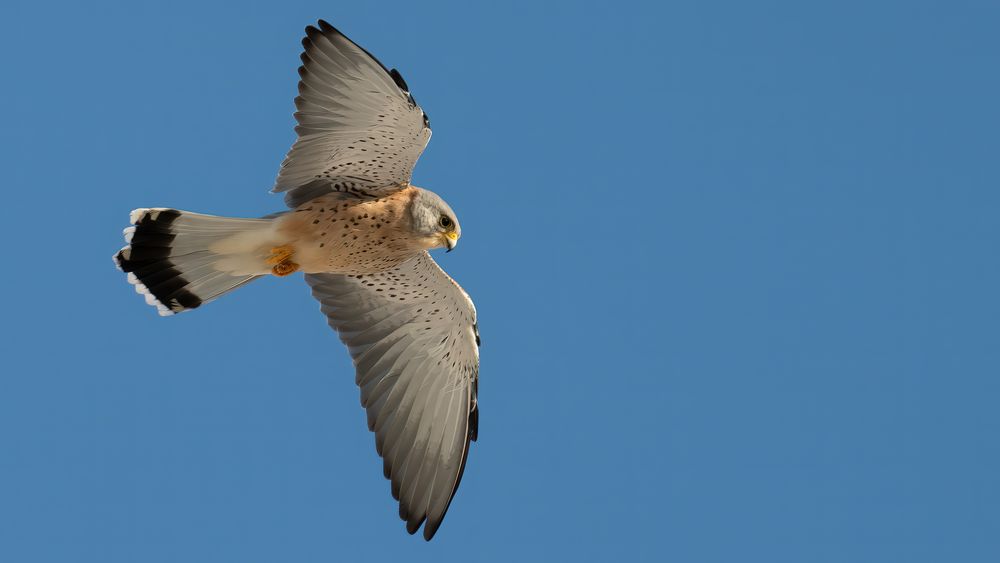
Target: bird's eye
444,221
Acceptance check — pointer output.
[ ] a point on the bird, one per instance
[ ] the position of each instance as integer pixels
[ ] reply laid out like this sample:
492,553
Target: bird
360,233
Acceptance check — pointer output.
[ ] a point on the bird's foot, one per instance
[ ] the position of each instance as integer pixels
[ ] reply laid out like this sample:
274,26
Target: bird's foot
281,260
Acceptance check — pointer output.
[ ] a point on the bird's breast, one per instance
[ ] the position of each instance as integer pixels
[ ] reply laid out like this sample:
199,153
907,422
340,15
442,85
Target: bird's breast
338,233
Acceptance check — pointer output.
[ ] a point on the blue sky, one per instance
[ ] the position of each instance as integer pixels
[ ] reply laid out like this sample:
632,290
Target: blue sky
735,264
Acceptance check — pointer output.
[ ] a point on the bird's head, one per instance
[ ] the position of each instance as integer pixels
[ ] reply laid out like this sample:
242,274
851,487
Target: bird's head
434,223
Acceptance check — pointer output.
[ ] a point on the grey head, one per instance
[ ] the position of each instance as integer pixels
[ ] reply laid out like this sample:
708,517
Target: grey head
434,221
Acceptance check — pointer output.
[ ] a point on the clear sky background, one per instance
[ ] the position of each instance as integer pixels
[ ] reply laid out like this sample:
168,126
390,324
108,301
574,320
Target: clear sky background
736,266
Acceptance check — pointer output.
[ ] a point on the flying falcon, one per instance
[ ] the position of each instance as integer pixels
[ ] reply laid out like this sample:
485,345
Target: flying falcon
360,232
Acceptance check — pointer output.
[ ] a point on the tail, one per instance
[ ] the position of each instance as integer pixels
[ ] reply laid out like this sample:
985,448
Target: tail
180,260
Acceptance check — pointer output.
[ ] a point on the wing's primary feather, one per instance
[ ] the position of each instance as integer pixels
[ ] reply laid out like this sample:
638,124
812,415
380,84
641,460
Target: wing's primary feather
413,336
359,129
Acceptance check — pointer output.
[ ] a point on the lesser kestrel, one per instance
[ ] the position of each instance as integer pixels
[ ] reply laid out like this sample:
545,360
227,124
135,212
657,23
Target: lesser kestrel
360,232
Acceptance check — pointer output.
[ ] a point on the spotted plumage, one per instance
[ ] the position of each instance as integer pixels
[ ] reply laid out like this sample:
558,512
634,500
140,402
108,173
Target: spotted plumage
360,232
338,232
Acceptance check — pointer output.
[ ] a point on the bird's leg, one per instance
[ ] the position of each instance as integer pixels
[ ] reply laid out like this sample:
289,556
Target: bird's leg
281,260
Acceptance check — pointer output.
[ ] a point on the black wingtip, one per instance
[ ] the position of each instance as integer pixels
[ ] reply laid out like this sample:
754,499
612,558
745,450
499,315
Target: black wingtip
313,33
413,525
413,521
398,79
322,27
431,528
326,28
474,424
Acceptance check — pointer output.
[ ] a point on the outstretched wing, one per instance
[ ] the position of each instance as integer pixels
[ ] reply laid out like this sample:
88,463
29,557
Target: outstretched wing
413,336
359,129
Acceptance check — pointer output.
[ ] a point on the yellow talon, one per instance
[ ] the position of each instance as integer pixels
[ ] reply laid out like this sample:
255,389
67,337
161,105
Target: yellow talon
284,268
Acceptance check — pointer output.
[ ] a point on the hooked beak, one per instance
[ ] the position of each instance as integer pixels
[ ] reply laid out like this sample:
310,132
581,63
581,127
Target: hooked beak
451,240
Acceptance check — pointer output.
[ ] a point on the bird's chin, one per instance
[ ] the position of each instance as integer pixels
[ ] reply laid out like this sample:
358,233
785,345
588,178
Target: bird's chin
432,242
